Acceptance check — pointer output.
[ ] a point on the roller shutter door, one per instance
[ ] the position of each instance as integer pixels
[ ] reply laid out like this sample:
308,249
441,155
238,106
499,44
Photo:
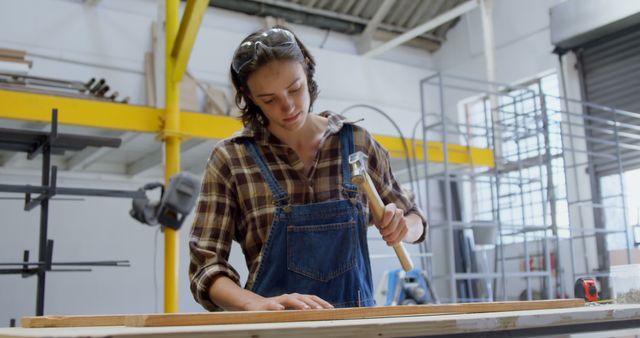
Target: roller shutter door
610,69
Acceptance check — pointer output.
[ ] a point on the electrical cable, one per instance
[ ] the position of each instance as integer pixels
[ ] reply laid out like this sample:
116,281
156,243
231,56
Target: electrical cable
404,143
406,151
424,246
415,160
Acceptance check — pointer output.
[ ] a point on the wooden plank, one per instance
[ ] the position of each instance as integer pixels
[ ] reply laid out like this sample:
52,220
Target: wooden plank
535,322
216,103
72,321
150,79
184,319
244,317
189,95
14,60
12,53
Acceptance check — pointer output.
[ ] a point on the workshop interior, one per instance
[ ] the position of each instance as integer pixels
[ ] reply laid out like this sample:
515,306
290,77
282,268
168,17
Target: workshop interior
515,124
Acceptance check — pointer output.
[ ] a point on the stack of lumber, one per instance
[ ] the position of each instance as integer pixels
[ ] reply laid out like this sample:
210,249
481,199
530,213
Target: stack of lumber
14,61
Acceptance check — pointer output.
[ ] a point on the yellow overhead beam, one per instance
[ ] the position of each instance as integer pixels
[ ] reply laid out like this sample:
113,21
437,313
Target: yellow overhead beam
458,154
209,126
97,114
17,105
189,26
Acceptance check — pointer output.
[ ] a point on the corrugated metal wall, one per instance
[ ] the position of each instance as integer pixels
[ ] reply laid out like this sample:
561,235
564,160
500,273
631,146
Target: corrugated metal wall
611,76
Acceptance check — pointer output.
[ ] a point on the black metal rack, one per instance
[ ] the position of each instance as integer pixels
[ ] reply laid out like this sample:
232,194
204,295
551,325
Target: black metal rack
35,143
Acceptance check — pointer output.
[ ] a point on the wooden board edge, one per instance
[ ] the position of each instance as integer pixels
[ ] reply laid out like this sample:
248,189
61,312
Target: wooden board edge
254,317
137,320
72,321
245,317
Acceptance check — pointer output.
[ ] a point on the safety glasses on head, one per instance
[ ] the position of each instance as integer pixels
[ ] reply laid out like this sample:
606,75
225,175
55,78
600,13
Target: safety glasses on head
271,38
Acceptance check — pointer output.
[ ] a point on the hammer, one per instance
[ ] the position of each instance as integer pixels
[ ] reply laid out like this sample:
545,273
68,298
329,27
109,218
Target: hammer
360,177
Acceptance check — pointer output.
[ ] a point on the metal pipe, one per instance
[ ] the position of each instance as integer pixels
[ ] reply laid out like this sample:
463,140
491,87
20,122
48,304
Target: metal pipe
425,153
550,197
448,198
622,191
172,154
575,171
522,209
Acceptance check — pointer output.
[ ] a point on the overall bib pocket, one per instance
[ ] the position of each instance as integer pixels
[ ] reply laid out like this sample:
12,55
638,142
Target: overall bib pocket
322,252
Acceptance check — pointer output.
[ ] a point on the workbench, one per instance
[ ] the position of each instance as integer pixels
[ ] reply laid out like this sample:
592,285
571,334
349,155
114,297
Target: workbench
503,324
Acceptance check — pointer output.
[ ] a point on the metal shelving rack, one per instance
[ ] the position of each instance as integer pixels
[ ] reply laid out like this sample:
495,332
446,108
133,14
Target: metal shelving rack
36,143
501,184
535,174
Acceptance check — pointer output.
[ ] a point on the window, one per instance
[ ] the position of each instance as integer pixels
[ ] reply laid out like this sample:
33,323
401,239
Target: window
614,208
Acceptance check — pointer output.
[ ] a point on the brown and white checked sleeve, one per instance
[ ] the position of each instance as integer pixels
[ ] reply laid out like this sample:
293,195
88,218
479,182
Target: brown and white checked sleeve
212,229
385,182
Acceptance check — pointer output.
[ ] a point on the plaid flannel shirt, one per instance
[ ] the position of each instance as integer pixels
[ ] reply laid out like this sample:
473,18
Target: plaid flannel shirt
235,202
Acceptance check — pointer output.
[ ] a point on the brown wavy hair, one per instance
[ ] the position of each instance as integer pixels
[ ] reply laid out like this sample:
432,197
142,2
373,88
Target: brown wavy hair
251,114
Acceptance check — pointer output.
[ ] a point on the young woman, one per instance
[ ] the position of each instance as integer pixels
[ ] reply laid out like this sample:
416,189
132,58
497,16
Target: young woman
281,188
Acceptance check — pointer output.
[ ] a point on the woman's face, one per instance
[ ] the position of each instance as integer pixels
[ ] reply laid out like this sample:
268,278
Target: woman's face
280,89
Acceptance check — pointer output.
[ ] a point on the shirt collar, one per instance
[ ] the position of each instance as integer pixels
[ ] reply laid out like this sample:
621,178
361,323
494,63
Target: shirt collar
263,136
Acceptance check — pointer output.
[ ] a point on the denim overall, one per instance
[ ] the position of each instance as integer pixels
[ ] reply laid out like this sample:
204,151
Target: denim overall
316,248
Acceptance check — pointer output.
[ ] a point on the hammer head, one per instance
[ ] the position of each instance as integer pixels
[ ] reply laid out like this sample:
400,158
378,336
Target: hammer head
358,162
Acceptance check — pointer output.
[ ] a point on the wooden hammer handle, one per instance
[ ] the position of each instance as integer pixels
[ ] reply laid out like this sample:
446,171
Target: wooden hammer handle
377,208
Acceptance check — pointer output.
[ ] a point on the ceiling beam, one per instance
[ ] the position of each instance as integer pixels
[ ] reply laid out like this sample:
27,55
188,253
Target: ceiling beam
92,2
357,9
349,18
425,44
434,8
364,42
403,17
420,12
395,12
423,28
335,5
346,6
378,17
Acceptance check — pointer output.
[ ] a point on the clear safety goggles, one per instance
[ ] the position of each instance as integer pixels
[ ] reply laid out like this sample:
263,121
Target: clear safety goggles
272,38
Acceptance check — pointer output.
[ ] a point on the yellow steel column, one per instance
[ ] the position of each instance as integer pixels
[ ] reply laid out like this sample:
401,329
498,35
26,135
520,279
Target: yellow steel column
172,152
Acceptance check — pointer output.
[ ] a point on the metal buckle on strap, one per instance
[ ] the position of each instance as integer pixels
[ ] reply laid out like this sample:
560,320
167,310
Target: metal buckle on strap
351,192
283,203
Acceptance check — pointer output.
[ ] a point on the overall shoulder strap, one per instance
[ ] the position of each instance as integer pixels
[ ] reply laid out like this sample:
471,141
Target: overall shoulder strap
347,146
280,197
